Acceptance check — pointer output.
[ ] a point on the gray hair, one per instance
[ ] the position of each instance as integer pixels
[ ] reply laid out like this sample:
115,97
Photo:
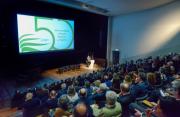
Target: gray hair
63,99
103,86
29,96
63,85
176,85
111,97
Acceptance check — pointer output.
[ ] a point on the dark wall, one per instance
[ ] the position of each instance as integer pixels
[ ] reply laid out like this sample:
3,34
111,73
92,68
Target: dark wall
90,36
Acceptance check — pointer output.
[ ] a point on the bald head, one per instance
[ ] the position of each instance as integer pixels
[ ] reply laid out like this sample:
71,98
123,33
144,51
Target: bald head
80,110
83,92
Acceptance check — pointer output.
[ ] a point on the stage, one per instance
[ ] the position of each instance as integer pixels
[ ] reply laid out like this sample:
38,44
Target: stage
52,73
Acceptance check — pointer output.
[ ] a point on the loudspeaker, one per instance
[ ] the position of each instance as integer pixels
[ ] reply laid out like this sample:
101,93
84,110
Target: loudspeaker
115,56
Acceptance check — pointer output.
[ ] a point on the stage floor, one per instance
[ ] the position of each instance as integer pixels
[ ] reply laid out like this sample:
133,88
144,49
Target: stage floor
52,73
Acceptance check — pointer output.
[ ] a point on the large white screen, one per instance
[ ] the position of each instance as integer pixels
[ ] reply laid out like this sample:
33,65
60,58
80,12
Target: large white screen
44,34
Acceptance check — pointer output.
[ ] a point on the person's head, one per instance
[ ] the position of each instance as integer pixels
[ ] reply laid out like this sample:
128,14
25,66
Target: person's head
128,79
151,78
176,87
53,94
87,84
124,87
63,102
103,87
80,110
111,98
29,96
82,92
167,107
115,76
71,91
140,77
97,83
63,86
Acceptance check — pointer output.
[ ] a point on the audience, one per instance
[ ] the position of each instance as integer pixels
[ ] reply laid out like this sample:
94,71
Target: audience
94,94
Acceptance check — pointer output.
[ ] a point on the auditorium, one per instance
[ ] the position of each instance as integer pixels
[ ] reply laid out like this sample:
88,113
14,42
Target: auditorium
90,58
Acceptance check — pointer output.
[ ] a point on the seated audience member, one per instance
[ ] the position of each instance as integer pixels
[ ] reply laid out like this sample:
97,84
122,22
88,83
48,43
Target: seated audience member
107,81
125,99
63,89
99,96
139,89
72,94
96,85
88,88
116,83
83,97
30,106
151,78
112,107
166,107
81,110
153,90
52,101
63,107
176,87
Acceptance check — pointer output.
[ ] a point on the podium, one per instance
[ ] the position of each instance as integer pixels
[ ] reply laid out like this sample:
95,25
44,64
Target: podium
91,64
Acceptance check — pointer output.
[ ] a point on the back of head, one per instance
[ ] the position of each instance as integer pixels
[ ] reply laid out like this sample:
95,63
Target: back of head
97,83
124,87
142,76
115,76
128,79
63,86
63,102
80,110
87,84
71,90
29,96
103,87
82,92
111,98
53,94
151,78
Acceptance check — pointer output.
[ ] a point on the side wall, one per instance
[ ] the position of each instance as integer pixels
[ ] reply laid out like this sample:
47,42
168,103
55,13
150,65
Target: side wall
151,32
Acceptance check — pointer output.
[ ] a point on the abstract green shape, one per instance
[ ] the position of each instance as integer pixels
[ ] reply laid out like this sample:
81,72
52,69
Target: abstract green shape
28,49
45,29
25,36
31,44
72,30
27,39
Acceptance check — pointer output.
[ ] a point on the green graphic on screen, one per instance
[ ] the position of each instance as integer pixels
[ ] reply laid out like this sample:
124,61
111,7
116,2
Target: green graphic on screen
44,34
